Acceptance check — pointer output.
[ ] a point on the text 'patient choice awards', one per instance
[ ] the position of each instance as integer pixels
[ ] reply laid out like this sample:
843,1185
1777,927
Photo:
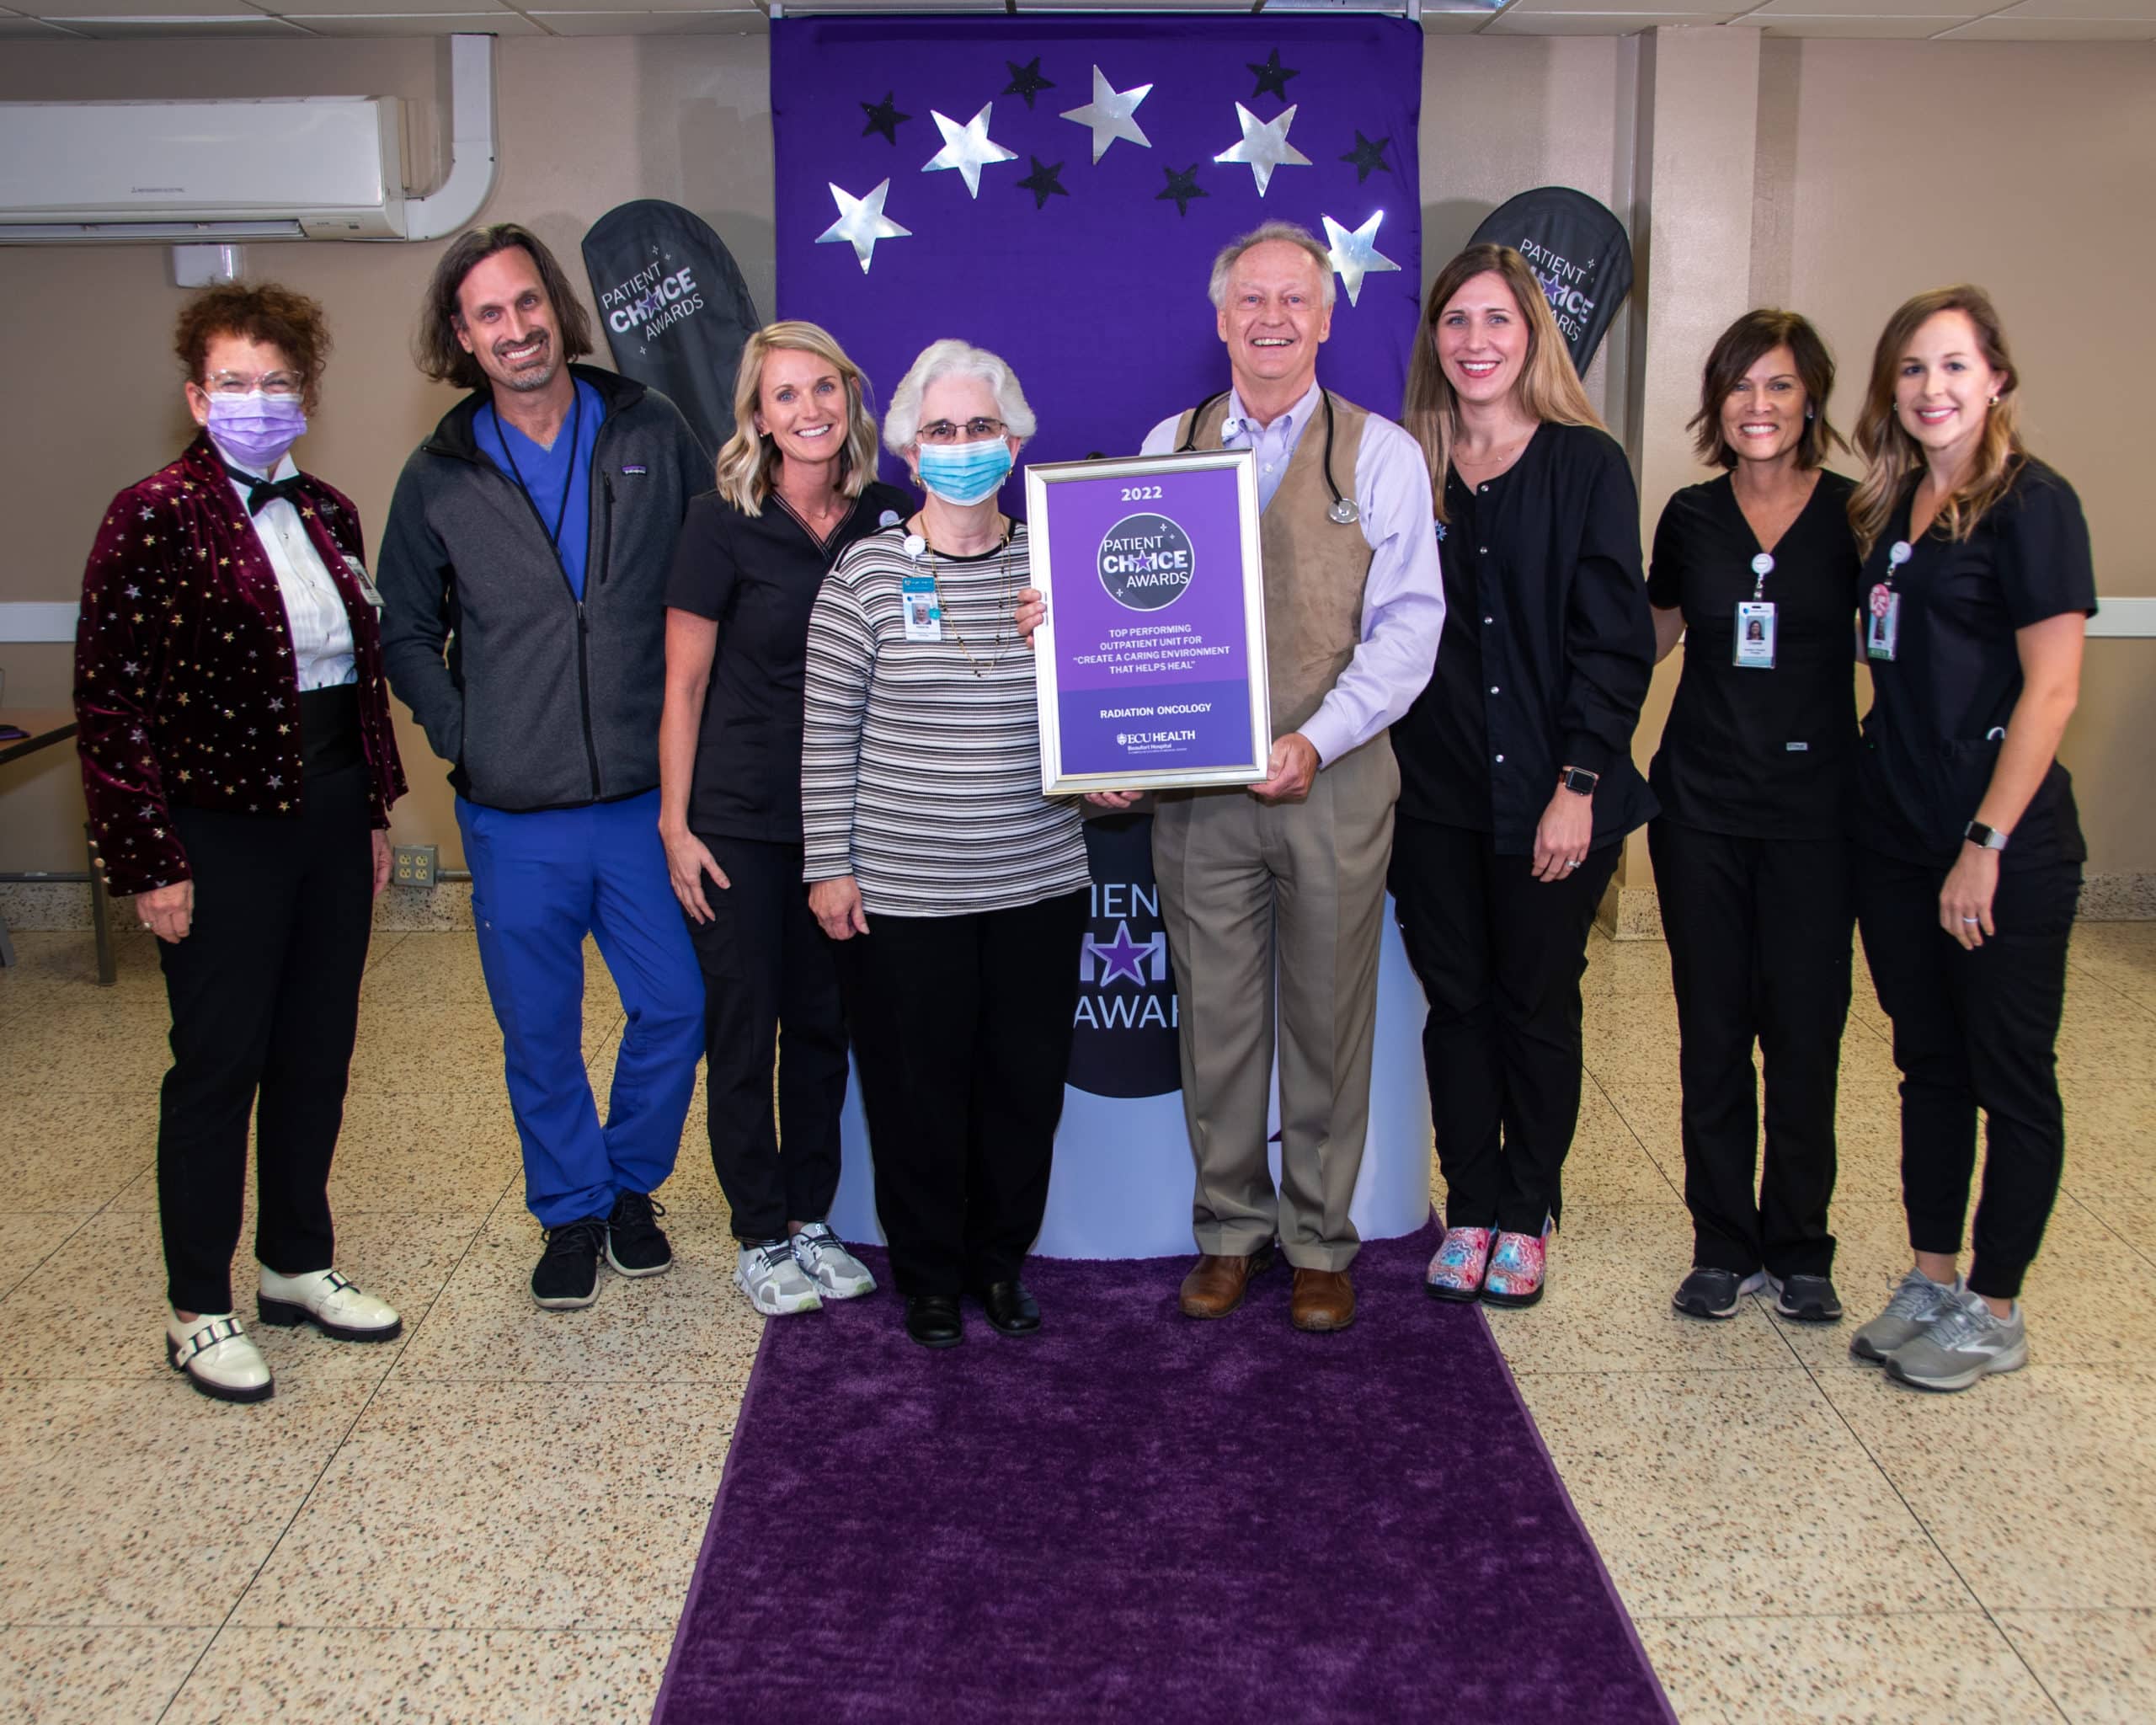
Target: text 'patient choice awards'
1145,562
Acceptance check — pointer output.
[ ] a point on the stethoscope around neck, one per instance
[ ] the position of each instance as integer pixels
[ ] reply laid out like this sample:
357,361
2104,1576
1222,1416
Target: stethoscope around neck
1343,509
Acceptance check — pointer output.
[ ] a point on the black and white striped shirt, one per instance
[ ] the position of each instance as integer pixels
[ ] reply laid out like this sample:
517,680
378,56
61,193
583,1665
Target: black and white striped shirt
921,761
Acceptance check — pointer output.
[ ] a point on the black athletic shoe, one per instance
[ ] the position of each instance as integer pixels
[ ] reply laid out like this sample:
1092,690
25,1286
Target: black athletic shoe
568,1276
1806,1299
635,1246
1715,1294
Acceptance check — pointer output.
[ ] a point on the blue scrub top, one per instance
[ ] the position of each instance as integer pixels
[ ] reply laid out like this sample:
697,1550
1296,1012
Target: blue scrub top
547,473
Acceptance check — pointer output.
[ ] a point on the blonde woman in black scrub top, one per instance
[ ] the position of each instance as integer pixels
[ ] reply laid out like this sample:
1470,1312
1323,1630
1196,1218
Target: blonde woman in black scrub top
1977,587
1753,570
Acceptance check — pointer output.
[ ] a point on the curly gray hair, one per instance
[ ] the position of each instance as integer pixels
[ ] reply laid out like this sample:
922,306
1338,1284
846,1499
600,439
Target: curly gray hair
951,358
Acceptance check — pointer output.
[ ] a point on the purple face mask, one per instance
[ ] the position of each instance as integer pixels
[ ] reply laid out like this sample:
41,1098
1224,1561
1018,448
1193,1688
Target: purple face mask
255,429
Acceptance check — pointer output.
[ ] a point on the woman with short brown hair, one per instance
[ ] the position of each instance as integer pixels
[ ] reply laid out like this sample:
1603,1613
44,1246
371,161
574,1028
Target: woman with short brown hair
1753,571
239,766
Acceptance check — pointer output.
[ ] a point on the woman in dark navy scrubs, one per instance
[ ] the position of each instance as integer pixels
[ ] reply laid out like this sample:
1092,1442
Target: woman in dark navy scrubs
1977,587
1753,570
796,486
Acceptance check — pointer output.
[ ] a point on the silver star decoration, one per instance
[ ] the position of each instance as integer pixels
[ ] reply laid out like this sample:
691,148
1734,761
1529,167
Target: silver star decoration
1111,114
1265,146
862,222
1355,254
968,148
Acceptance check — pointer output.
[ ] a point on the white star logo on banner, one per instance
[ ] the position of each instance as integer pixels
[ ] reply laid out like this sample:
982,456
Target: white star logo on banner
1264,146
1355,253
1111,114
966,148
862,222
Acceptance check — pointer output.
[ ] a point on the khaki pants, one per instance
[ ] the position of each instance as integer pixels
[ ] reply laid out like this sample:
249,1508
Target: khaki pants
1250,891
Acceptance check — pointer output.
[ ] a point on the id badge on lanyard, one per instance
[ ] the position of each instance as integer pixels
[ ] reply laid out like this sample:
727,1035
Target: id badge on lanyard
921,608
1882,624
1755,621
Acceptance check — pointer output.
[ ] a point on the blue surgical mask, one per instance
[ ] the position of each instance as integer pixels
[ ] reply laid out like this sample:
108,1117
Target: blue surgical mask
965,473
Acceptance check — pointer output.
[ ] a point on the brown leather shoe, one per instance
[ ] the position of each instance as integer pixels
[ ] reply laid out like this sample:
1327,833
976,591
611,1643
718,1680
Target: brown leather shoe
1325,1300
1216,1284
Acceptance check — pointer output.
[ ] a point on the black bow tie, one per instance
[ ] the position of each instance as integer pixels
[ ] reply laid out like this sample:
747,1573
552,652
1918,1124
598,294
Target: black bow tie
262,493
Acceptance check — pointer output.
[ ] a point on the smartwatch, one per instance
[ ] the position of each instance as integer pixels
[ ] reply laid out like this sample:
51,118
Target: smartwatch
1579,781
1990,837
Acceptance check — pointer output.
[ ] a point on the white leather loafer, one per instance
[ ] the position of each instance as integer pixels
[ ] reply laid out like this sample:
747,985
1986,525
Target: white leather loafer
331,1304
217,1358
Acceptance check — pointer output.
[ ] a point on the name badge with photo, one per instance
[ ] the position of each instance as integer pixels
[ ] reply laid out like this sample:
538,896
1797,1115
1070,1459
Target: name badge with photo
1755,634
368,591
1882,623
920,608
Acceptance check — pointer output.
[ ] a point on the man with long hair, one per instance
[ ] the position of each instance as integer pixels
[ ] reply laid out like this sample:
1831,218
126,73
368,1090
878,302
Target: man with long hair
523,576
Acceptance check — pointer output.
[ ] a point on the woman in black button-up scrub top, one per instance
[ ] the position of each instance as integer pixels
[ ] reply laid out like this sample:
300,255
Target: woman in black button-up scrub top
1497,865
1977,586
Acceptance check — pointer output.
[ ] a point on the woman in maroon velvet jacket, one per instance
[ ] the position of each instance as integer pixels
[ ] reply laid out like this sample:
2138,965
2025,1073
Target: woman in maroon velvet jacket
238,763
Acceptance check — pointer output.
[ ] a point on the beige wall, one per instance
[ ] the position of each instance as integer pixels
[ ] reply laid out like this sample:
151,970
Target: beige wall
584,124
1876,169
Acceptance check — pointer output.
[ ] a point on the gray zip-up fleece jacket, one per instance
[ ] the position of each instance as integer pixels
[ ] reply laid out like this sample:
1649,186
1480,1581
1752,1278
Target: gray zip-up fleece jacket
536,699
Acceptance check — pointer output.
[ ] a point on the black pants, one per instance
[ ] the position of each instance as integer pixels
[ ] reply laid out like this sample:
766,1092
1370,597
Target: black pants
1974,1029
767,966
1499,955
1759,936
265,1004
962,1028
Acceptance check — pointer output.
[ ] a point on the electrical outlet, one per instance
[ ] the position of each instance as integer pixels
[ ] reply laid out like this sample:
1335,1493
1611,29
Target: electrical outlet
413,865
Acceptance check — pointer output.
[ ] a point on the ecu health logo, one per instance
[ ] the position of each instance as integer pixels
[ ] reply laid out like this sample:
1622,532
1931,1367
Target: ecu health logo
1124,1039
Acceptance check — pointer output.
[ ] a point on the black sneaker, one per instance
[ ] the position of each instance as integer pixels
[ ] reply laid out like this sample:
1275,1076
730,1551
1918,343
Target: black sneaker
1715,1294
1806,1299
568,1276
635,1246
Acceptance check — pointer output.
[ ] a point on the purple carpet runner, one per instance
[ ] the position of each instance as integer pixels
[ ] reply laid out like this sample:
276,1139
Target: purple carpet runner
1133,1516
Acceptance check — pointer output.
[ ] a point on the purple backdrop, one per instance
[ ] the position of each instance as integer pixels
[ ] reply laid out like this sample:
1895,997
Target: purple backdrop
1089,279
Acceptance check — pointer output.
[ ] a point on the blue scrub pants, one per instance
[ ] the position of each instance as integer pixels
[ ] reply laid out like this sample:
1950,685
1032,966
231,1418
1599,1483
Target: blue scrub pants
540,883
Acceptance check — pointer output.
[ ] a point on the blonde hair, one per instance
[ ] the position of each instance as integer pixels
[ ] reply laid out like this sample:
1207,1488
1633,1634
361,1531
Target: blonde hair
1891,455
749,464
1548,389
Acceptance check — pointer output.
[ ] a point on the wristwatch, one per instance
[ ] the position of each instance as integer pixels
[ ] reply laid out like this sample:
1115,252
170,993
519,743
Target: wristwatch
1578,780
1990,837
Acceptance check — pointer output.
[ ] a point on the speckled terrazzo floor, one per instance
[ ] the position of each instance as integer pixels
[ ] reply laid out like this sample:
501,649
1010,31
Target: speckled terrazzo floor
495,1518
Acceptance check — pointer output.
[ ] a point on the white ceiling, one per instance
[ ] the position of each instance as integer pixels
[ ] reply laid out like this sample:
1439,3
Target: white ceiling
1944,21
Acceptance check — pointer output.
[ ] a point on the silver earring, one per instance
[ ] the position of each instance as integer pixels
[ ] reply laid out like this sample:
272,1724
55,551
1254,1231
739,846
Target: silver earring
1994,401
1807,413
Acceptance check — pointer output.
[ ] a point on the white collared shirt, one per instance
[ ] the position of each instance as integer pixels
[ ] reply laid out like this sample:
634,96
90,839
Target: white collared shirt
314,610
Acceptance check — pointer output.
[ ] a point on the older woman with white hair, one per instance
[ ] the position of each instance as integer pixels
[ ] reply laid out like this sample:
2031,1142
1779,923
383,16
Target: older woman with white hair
957,892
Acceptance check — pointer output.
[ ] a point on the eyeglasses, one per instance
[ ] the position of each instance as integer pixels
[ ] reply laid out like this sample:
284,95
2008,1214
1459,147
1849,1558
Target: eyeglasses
973,431
236,383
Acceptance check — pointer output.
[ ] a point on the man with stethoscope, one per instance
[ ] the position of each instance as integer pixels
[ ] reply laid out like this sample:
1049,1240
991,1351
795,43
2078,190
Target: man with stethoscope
1295,865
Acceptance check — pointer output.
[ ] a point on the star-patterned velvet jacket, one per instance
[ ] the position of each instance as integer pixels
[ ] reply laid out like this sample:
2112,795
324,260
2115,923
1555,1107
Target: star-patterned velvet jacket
186,692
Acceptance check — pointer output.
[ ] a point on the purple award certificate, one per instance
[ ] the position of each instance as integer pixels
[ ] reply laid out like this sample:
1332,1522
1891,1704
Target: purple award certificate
1149,671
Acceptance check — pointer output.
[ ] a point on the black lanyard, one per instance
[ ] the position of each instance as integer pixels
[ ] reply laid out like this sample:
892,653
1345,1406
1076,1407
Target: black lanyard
568,479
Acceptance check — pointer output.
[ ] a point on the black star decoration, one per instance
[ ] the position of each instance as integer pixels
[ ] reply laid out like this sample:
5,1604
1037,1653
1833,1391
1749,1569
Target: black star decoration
1271,77
1041,183
1183,188
1368,157
1027,80
883,116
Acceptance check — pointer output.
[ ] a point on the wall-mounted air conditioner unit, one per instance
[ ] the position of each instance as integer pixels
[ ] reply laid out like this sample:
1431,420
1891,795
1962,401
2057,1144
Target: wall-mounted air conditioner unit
315,166
285,168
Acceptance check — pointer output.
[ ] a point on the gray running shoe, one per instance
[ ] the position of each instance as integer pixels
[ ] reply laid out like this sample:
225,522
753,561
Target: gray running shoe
1715,1294
1968,1341
1917,1303
837,1274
